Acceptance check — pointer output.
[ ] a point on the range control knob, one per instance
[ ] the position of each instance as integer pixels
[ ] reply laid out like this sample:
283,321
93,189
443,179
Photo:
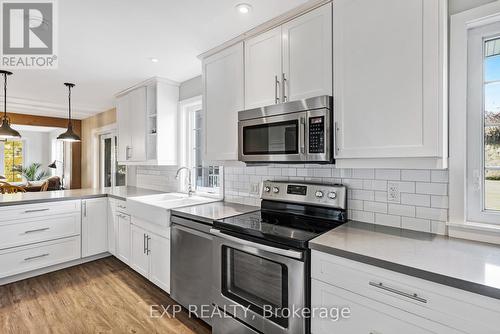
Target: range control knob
267,189
319,194
276,190
332,195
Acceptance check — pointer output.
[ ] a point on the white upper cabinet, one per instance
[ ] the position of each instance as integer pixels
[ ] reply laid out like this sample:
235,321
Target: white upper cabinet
290,62
223,97
307,55
263,72
147,117
389,78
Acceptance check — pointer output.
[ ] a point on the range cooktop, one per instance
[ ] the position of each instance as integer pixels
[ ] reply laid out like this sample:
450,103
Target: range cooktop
292,218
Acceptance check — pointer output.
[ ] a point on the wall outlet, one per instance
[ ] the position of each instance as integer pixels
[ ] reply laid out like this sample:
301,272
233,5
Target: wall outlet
255,188
393,194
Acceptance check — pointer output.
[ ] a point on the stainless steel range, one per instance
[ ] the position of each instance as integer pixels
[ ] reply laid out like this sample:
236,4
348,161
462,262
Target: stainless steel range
262,261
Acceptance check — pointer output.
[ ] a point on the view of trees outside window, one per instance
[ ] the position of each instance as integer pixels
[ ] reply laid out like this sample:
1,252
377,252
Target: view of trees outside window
492,124
13,160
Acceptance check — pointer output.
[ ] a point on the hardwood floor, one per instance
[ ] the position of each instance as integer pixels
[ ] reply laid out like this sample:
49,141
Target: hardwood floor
103,296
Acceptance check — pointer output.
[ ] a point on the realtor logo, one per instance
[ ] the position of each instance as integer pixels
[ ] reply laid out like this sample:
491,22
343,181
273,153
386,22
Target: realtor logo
28,34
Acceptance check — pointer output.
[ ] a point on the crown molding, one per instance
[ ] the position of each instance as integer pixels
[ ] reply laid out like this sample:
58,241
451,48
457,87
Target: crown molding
39,108
268,25
148,82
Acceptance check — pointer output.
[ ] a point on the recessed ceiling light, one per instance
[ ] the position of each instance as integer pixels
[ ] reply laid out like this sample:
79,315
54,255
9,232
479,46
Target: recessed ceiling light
244,8
154,60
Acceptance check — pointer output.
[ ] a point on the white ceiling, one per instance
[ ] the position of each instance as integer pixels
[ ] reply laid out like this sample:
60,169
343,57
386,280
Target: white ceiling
105,46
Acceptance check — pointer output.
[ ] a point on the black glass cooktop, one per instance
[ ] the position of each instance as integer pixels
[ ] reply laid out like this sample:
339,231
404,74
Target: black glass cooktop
293,228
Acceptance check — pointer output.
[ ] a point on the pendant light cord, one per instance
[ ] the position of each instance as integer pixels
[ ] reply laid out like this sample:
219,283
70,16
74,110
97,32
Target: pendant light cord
5,96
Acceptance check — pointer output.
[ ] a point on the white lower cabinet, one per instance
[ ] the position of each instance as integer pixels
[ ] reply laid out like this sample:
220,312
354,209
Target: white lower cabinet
123,237
19,260
150,255
384,301
94,226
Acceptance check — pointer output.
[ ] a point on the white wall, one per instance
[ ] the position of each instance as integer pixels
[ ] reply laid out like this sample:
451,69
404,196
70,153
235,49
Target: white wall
457,6
37,148
190,88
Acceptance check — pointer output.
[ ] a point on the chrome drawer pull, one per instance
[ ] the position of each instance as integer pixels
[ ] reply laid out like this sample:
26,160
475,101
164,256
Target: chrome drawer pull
122,207
36,210
413,296
37,230
36,257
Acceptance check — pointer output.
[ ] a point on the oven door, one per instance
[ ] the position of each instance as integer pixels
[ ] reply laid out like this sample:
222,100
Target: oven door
258,284
273,139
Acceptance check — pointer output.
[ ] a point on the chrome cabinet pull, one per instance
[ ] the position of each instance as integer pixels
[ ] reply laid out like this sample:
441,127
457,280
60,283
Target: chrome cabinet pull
413,296
36,257
148,238
284,83
276,90
128,155
121,206
37,230
84,208
144,243
337,149
36,210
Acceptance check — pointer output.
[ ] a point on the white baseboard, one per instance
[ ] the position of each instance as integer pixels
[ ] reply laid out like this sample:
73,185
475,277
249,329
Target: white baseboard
56,267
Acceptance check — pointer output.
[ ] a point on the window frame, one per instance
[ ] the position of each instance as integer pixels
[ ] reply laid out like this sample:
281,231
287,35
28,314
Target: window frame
459,225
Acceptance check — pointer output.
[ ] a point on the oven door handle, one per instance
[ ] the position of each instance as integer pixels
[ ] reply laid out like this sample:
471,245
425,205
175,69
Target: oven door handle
285,252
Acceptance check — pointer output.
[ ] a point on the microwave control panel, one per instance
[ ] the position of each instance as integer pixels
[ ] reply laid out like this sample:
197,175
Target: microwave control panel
317,134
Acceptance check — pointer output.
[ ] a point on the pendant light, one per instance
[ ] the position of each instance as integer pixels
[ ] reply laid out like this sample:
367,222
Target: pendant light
6,132
69,135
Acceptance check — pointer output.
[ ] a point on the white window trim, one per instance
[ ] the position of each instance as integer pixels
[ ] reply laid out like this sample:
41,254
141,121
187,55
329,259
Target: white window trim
460,25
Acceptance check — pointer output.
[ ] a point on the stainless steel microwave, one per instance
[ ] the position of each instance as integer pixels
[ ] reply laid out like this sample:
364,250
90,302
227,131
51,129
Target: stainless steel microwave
298,131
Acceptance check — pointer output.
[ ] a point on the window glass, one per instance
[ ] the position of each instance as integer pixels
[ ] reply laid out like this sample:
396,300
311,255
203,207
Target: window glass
13,160
492,124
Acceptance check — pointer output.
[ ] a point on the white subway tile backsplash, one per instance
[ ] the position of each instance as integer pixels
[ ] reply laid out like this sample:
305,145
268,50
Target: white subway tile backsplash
387,220
416,224
388,174
432,213
424,193
375,207
432,188
440,176
416,199
439,202
401,210
366,195
416,175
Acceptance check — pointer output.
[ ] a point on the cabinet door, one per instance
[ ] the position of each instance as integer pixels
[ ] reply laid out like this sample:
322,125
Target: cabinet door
139,258
159,248
388,77
123,240
137,119
307,55
263,69
112,228
123,122
366,315
94,226
223,98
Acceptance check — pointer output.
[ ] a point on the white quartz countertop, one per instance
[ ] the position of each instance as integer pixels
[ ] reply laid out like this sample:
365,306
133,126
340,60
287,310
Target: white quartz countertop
464,264
213,211
61,195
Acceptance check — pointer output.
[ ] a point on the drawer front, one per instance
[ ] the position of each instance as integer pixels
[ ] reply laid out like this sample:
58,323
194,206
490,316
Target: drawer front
23,259
365,315
8,213
452,307
120,206
28,231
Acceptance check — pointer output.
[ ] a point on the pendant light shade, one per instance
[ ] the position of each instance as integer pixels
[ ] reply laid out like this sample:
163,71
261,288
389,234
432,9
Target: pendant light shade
69,135
6,132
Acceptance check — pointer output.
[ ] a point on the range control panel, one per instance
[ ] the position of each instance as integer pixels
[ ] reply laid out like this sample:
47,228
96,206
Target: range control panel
334,196
317,134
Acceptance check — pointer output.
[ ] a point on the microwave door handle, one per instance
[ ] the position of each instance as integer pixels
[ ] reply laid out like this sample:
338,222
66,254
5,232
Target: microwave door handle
302,135
274,250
